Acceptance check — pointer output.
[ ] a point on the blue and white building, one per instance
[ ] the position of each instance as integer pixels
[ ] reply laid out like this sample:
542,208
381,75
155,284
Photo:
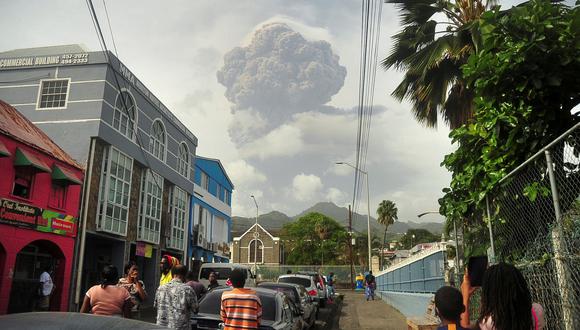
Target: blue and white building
211,213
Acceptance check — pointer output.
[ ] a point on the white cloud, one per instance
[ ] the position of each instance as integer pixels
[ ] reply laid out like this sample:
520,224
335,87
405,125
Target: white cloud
306,187
284,141
243,174
336,196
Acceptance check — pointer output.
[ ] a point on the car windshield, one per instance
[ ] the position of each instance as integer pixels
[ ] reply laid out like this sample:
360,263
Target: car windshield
211,304
222,273
295,280
290,292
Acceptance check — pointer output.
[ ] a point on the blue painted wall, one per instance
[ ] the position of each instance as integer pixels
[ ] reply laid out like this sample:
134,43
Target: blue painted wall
425,275
216,176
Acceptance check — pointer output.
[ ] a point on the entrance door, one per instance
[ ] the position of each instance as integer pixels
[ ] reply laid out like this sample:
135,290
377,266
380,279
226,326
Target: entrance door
31,261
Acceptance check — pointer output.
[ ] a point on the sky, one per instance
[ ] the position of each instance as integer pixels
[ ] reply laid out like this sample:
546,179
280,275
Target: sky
269,87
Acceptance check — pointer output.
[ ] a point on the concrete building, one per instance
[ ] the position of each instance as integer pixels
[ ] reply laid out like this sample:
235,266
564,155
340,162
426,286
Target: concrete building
211,224
40,193
268,252
138,155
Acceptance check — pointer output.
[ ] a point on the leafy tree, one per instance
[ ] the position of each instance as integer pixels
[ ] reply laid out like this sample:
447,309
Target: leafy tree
387,214
313,237
525,78
437,38
420,236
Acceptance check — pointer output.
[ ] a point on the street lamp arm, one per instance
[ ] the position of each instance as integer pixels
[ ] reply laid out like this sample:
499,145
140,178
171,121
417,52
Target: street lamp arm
425,213
354,167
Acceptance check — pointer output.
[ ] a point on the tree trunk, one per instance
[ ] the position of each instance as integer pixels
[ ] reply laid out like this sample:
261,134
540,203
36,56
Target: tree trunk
383,249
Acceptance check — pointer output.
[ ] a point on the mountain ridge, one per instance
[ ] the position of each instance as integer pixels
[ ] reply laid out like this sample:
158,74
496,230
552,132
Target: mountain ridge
274,221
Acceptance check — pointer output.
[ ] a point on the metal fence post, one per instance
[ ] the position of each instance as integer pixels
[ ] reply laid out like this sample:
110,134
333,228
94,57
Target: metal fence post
492,254
564,284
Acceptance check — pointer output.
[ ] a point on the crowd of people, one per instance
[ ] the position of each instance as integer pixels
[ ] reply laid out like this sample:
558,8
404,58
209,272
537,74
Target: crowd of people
506,302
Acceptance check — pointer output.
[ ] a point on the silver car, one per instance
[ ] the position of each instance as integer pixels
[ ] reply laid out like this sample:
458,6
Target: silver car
315,290
299,296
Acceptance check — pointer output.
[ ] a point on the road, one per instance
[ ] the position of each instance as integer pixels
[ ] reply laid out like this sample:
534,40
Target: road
357,313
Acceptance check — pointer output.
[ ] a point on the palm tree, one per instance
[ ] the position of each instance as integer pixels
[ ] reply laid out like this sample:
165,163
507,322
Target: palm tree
387,214
431,53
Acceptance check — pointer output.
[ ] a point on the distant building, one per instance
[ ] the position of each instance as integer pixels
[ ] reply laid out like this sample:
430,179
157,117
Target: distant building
139,156
211,223
40,193
268,247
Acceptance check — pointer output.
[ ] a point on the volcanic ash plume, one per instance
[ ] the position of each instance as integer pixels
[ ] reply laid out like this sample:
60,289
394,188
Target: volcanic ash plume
278,74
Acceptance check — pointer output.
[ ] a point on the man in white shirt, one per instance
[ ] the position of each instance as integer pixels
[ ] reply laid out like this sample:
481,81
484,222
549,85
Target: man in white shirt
45,290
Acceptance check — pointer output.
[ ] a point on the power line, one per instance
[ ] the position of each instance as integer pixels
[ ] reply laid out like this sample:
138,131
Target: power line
117,83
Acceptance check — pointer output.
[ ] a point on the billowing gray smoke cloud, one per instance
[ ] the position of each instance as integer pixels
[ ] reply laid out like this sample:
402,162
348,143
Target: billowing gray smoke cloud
278,74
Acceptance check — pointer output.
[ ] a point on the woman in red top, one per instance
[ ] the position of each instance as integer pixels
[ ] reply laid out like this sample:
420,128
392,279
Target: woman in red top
107,298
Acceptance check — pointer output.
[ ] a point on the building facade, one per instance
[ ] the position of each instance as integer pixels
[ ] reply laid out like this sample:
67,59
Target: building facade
39,206
268,251
138,155
211,212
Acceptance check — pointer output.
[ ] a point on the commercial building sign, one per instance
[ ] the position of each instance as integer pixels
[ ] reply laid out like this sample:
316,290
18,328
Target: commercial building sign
64,59
19,214
144,250
57,223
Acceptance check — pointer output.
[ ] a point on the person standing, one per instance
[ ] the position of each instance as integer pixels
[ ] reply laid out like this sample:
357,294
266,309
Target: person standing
175,301
240,308
107,298
45,289
370,283
197,287
166,264
133,285
213,282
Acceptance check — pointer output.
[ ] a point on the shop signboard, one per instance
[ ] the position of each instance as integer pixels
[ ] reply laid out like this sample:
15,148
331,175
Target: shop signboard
19,214
144,250
57,223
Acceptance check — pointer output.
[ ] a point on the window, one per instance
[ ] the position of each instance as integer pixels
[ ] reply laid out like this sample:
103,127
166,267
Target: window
58,195
252,252
228,197
23,179
151,199
219,192
53,94
179,205
183,160
204,181
157,140
115,192
124,114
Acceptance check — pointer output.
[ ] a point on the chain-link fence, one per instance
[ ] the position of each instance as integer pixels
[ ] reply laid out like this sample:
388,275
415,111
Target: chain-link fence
341,272
535,215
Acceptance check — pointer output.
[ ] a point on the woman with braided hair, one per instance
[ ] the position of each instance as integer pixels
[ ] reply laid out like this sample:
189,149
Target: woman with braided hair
107,298
506,302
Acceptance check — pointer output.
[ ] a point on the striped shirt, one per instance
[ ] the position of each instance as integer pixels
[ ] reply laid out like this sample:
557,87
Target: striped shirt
241,309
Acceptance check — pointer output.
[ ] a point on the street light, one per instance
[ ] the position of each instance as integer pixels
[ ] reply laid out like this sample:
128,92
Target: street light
256,235
456,244
368,206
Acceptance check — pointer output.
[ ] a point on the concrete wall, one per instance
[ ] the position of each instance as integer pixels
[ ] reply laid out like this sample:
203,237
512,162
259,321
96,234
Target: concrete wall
409,304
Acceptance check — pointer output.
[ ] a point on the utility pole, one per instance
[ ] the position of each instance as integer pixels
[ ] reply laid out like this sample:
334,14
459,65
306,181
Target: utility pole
350,248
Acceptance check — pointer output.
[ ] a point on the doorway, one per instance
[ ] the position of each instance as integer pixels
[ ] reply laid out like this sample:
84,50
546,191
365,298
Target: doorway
31,261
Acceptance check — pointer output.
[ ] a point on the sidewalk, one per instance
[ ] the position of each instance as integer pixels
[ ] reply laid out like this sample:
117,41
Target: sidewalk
357,313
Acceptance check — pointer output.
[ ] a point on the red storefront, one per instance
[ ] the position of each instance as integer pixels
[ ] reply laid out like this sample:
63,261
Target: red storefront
40,189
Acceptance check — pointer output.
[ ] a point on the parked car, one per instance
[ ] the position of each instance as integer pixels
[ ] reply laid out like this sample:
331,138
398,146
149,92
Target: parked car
300,297
70,321
321,283
312,285
223,272
277,311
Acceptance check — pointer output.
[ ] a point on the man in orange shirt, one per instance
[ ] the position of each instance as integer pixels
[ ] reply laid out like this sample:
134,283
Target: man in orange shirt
241,308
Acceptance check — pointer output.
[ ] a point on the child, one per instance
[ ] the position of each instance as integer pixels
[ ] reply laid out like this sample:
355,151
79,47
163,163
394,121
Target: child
449,306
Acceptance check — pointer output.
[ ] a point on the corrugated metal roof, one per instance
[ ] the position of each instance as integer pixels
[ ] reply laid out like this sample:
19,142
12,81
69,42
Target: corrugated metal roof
14,124
44,51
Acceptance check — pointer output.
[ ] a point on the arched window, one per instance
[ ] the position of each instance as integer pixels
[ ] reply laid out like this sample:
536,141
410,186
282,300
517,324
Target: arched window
157,140
124,115
183,161
252,252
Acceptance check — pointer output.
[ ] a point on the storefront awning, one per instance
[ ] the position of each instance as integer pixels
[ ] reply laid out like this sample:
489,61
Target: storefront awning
4,151
62,174
25,158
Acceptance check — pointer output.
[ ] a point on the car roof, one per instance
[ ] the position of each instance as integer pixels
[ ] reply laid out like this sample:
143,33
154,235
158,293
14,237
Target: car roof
295,275
223,265
66,320
263,291
307,273
281,285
